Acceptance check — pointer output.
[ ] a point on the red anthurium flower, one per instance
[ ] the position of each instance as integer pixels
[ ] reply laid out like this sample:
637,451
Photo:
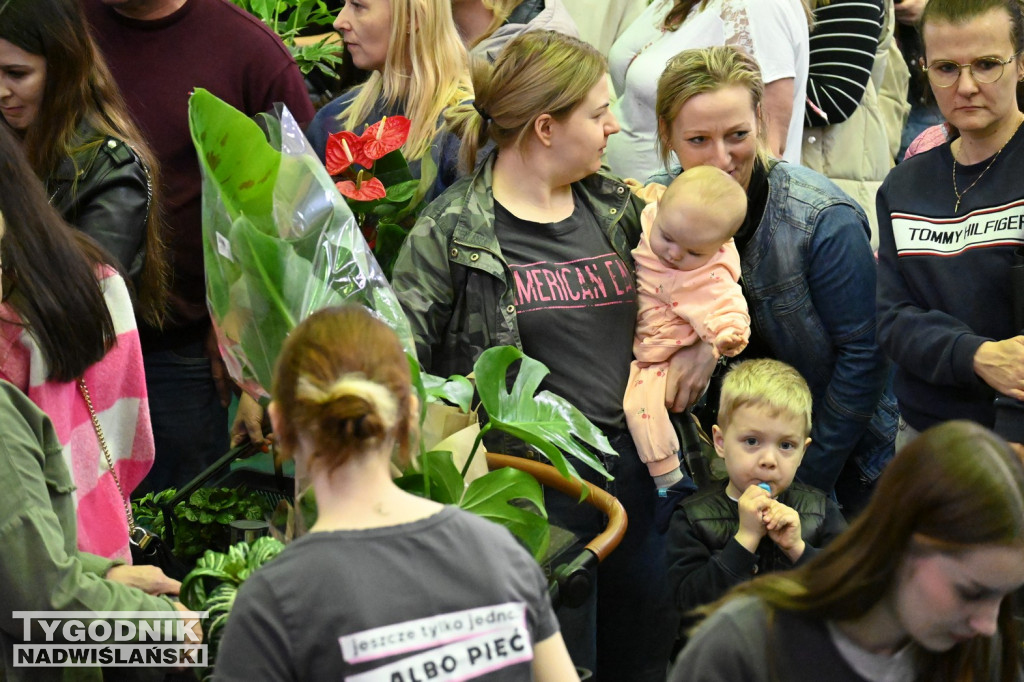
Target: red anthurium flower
343,150
367,190
385,136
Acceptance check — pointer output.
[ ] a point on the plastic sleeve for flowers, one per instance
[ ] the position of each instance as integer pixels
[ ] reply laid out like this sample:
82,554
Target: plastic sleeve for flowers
279,241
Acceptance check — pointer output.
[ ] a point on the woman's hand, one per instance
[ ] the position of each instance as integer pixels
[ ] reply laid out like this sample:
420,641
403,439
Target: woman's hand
248,424
1000,364
149,579
689,372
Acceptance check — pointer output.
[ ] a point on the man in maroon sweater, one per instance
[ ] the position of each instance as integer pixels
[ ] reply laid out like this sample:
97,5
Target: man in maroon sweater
159,51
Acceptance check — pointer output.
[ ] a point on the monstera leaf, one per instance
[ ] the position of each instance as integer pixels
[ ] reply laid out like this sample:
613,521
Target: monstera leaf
544,420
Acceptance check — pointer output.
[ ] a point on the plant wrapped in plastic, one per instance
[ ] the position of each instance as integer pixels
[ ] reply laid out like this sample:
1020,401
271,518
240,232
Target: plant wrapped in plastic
279,241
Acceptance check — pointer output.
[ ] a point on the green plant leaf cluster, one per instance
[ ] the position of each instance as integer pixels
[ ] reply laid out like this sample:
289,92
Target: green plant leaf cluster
148,512
279,242
213,584
203,520
542,419
288,18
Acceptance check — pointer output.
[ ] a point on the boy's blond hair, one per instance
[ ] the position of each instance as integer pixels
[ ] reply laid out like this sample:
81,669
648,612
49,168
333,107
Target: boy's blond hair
765,383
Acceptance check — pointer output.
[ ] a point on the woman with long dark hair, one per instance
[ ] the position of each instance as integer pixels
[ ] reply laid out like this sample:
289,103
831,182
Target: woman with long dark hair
58,96
68,340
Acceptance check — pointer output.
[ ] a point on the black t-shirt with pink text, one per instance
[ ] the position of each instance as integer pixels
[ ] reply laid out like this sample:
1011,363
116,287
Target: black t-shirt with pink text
575,307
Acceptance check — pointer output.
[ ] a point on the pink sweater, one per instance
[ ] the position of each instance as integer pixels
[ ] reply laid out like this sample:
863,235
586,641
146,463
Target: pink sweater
117,386
678,308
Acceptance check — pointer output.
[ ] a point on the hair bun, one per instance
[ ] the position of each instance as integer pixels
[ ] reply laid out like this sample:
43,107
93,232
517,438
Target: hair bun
377,398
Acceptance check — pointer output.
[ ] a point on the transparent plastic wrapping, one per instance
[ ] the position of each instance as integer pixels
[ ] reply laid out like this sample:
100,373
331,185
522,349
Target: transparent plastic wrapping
279,241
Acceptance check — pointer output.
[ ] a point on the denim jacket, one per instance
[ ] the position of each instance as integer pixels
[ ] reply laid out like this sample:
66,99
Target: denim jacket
809,279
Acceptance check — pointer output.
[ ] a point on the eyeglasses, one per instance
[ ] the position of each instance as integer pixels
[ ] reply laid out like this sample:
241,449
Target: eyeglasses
944,73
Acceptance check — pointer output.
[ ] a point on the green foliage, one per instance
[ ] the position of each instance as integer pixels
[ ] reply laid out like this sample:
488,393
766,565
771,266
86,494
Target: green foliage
277,242
203,520
213,584
288,18
548,422
544,420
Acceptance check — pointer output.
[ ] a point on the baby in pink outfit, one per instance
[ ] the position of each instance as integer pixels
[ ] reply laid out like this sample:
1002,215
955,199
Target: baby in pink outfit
687,270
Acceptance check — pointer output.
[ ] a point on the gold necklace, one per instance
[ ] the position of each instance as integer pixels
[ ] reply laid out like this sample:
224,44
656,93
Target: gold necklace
960,195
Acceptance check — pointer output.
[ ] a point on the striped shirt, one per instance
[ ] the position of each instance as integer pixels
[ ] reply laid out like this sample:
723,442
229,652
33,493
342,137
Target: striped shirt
842,54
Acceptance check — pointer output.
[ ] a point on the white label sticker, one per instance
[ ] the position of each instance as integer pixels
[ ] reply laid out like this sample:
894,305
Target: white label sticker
224,247
424,633
463,660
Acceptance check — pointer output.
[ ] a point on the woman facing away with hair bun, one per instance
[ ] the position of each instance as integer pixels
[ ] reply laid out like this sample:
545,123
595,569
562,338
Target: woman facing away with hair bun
919,588
385,583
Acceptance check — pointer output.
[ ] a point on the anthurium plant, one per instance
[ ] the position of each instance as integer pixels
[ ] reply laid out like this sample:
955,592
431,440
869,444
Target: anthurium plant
374,177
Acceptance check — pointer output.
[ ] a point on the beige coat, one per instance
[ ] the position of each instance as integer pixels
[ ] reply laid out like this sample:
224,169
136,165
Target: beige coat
858,153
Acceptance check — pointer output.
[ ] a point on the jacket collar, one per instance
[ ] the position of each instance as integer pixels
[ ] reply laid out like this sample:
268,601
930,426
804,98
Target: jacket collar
606,197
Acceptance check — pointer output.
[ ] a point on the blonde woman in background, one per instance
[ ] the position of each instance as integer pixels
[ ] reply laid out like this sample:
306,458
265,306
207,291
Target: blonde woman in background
420,70
774,32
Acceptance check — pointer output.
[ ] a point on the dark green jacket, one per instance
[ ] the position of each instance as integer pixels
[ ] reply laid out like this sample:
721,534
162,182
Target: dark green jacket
453,282
40,566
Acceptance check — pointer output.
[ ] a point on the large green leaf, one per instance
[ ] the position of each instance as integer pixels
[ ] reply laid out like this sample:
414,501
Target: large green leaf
235,152
444,479
544,420
456,389
490,496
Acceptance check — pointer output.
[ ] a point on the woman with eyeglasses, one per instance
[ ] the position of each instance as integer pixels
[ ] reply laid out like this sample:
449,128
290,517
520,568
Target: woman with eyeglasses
951,222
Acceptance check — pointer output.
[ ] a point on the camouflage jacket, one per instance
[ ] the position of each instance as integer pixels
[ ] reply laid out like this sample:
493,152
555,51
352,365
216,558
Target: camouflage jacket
453,281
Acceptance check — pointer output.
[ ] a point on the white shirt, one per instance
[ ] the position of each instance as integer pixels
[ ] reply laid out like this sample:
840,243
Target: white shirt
773,31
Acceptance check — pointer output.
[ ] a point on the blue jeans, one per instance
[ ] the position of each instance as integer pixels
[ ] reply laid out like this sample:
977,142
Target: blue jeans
624,633
190,426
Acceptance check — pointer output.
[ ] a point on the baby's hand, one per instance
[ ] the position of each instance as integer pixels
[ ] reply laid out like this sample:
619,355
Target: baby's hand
730,344
783,526
752,504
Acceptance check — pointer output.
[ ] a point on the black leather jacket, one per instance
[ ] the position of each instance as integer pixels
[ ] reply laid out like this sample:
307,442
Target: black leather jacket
106,192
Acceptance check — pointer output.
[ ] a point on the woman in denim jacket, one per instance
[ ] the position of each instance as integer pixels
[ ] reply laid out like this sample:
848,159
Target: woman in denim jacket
808,271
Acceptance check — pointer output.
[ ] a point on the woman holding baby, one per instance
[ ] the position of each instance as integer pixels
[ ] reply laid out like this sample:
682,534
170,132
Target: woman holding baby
532,249
807,268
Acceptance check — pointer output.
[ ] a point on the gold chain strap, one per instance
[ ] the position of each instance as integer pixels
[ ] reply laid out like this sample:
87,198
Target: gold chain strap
84,390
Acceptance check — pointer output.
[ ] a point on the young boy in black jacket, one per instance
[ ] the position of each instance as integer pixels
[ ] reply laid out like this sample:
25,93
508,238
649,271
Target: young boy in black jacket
737,529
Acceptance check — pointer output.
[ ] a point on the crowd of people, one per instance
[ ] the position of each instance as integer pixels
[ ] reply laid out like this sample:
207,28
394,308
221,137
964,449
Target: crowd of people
692,207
